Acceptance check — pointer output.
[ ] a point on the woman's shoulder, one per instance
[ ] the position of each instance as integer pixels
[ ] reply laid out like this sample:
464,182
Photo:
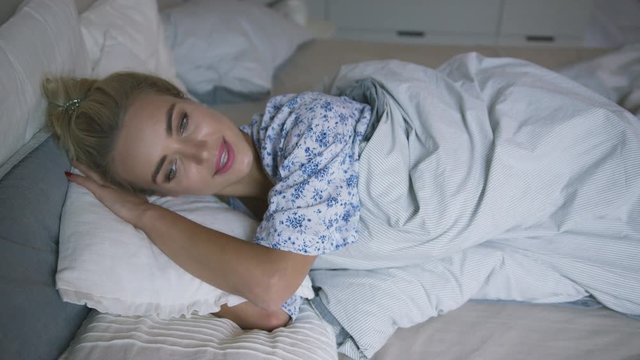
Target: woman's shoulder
307,101
311,155
312,116
296,128
306,109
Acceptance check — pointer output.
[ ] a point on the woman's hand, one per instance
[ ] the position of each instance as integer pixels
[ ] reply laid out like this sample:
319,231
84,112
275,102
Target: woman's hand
248,316
127,205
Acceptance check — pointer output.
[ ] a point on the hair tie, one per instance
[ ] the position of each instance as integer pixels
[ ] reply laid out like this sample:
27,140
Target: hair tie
71,105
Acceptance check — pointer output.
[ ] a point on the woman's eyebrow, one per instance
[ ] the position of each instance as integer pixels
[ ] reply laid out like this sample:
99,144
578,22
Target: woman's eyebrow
156,171
169,131
169,126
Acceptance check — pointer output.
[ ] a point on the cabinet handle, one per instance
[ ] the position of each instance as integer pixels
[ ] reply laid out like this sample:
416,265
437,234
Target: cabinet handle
410,33
540,38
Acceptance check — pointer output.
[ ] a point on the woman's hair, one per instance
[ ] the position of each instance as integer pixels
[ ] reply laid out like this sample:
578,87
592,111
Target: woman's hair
85,115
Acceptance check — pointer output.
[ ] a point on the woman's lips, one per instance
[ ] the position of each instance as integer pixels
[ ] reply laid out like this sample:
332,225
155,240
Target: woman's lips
225,158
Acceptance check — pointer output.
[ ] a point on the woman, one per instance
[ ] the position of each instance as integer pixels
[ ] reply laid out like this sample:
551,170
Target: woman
140,133
486,178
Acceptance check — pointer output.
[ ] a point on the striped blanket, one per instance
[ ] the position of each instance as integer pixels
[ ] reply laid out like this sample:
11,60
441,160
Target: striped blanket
484,179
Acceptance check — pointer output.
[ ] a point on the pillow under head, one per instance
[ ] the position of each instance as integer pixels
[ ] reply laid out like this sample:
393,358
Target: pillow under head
107,264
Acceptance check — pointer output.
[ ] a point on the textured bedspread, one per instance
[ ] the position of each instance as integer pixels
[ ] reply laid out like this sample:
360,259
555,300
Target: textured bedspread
488,179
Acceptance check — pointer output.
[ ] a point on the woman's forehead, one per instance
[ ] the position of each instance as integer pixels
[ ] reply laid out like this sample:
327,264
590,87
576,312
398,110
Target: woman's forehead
138,146
148,106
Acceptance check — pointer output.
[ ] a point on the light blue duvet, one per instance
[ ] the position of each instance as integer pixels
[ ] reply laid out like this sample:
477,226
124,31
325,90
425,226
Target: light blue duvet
485,179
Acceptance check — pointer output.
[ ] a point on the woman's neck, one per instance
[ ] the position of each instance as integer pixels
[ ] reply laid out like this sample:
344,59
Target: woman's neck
256,184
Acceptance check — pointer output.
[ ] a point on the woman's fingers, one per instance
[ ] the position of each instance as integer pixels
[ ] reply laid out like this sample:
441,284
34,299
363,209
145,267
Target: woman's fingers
83,181
124,204
88,173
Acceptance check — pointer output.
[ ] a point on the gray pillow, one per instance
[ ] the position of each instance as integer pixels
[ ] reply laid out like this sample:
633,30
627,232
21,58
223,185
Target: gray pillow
35,323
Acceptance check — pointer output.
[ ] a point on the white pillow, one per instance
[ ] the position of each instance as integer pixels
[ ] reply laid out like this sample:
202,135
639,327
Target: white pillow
127,35
106,337
110,266
42,38
229,44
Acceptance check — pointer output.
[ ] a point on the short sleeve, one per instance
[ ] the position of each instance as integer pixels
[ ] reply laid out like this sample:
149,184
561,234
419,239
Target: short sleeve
292,306
308,144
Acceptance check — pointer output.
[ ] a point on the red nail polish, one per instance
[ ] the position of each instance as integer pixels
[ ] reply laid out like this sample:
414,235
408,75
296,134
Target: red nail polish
68,174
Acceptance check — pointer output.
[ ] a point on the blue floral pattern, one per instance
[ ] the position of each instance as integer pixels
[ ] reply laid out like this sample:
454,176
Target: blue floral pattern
308,145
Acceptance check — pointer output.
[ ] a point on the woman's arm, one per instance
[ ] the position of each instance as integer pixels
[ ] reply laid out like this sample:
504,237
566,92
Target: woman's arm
264,276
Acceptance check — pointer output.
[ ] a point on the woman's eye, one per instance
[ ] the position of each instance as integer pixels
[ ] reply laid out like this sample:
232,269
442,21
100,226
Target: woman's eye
171,174
184,122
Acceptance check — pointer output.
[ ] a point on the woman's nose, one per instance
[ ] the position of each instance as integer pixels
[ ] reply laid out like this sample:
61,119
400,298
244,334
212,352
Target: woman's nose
198,152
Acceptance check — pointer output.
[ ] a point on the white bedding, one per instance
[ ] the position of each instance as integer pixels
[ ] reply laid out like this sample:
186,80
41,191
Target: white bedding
504,181
615,76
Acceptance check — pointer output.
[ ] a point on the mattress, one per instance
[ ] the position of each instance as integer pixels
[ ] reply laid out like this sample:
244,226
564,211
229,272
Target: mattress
503,330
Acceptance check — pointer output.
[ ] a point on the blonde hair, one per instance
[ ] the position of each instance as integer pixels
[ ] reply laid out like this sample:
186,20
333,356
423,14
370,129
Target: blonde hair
84,115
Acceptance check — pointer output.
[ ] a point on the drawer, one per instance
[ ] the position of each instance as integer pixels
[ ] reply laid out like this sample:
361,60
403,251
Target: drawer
545,19
416,37
415,16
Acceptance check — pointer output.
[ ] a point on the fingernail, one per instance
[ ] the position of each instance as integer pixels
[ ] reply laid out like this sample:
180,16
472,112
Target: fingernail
68,174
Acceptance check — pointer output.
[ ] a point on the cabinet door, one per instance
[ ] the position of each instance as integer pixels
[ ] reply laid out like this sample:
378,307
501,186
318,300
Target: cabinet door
415,16
551,21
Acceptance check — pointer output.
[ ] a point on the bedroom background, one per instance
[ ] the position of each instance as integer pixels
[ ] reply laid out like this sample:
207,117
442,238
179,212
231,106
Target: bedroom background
589,23
595,26
599,23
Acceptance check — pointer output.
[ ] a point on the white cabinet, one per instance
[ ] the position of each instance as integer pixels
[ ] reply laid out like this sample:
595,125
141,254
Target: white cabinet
544,21
415,20
458,21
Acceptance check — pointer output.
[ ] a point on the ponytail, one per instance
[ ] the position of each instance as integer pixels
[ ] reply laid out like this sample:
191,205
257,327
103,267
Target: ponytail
65,95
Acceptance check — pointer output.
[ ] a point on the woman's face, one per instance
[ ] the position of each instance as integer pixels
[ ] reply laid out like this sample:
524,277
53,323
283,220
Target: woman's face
177,147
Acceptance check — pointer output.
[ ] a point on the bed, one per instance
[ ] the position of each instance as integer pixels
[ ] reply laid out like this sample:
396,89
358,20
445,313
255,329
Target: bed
38,324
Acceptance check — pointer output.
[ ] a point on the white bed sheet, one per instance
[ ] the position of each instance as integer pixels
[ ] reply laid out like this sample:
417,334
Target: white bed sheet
518,331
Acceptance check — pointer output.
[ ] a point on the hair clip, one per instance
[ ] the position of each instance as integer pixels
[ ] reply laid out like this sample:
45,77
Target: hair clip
71,105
